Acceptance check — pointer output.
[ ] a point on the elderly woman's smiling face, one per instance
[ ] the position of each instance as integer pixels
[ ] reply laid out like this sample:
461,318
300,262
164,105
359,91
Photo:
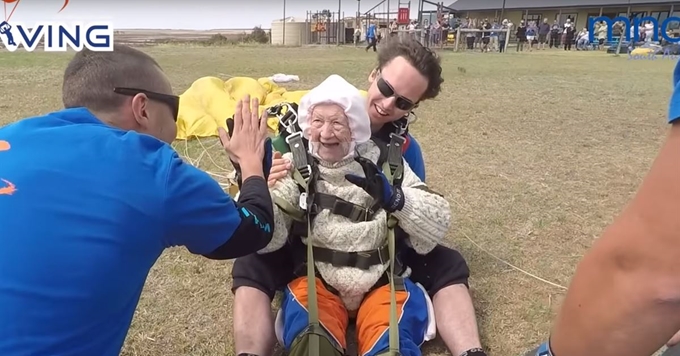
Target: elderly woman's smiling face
329,132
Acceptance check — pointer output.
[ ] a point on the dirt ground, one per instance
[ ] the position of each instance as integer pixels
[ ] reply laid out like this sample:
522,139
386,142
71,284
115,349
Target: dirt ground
536,152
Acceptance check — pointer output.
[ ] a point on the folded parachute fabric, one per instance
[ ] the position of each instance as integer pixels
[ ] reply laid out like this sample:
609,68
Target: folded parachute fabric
209,101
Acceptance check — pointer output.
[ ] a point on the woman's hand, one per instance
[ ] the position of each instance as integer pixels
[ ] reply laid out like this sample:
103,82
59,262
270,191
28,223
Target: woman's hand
245,144
280,169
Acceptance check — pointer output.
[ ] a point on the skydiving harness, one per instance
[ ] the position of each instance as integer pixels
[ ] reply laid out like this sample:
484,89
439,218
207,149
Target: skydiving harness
311,203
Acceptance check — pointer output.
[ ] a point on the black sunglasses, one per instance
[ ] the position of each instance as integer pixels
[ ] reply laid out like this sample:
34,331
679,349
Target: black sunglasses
172,101
388,91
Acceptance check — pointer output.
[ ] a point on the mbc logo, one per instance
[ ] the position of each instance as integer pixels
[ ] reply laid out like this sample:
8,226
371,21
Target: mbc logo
637,23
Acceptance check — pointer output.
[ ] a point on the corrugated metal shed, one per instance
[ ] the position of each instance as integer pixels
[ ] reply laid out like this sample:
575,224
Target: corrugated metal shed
477,5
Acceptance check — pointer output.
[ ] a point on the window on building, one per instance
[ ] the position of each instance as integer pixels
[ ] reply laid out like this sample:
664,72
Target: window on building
610,15
674,25
594,15
633,14
563,18
638,14
659,15
532,17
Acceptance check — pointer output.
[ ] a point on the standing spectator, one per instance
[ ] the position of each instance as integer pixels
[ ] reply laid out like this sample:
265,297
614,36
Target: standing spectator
486,34
445,29
543,33
649,32
357,34
436,32
617,31
521,35
531,32
371,36
394,27
503,36
427,28
555,34
568,35
470,35
412,30
495,34
602,34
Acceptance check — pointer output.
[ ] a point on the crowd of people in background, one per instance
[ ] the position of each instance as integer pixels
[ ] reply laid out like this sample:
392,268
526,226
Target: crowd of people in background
490,35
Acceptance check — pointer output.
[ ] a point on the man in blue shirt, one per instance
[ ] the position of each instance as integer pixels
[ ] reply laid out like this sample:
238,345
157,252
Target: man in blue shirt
371,36
407,74
90,196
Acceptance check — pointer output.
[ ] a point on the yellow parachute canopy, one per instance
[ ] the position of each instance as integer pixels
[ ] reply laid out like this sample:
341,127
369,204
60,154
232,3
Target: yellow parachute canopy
209,101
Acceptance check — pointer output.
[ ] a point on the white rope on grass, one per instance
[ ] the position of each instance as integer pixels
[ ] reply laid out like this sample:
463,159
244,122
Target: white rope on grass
513,266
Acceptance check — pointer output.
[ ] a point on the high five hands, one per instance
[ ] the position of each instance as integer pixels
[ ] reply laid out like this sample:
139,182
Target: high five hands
247,142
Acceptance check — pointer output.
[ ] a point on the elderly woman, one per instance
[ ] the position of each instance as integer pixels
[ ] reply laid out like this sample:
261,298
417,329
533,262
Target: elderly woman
333,119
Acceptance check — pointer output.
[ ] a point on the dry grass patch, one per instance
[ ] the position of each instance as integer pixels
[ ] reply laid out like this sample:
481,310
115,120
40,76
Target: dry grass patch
537,152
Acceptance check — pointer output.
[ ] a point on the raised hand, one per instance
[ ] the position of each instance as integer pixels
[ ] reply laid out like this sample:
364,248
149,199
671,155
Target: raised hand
248,141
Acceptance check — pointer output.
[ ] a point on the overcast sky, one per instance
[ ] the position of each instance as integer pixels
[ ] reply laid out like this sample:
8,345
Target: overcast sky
187,14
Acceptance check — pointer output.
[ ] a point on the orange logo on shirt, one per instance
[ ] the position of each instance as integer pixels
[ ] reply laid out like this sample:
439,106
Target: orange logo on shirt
6,187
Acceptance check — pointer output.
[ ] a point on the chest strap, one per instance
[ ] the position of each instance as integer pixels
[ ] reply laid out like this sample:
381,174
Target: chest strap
361,260
342,207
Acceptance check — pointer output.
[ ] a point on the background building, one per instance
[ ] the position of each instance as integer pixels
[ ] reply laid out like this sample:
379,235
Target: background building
578,10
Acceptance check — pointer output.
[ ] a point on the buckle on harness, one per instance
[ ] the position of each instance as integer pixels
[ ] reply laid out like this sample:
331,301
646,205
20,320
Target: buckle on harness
303,201
355,213
401,126
285,119
294,139
297,148
394,154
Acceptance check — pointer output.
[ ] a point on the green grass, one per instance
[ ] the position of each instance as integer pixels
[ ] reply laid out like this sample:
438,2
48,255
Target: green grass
537,152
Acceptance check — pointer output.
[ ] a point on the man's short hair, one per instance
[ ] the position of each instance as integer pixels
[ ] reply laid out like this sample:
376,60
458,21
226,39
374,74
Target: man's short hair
90,77
422,58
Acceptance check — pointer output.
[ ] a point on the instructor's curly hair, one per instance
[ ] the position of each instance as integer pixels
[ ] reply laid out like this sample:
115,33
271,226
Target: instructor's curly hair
425,60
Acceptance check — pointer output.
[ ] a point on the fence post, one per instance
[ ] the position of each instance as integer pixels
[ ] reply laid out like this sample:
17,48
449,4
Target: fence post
456,42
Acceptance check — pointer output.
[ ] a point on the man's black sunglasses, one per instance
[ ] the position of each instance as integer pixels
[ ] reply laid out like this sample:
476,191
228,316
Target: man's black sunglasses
388,91
172,101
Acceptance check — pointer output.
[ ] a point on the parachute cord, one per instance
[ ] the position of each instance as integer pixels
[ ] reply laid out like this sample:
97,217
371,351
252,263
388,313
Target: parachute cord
11,13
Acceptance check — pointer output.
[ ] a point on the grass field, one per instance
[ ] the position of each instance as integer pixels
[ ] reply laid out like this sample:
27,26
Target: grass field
537,152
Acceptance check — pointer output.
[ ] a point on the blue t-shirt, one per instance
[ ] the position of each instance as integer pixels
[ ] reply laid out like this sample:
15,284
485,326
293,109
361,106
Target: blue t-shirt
370,32
674,106
85,211
414,157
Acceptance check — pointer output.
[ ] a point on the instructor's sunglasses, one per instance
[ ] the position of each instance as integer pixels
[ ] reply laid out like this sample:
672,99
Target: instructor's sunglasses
388,91
172,101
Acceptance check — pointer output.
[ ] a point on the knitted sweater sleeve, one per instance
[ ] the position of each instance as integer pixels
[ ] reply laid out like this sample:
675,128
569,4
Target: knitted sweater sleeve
287,190
426,215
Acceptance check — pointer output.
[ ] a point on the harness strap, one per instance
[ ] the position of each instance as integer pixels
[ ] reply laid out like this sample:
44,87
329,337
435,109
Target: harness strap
362,260
394,174
339,206
299,151
395,157
312,303
294,212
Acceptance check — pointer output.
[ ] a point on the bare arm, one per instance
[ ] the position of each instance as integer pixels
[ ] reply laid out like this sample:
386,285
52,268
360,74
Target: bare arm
426,216
624,299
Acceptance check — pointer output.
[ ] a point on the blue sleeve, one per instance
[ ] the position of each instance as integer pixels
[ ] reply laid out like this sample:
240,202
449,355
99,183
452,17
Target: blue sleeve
414,157
674,106
199,214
